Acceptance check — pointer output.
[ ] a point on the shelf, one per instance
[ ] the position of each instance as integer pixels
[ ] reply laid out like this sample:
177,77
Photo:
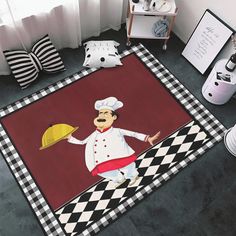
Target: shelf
142,27
138,9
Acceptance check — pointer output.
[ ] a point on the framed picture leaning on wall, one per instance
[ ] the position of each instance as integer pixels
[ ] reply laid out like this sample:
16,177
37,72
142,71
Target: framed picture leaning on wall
206,41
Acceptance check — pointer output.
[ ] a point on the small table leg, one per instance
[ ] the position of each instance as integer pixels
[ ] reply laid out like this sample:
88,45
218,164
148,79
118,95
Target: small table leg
164,47
130,17
128,43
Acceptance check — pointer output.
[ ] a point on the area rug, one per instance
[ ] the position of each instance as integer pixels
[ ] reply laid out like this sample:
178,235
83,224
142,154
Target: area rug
65,196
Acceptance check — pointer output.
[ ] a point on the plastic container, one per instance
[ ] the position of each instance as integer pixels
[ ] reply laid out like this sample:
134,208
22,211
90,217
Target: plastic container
220,85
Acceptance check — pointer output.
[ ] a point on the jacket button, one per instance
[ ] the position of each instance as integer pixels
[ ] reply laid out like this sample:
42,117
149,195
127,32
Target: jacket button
96,161
95,152
108,155
104,140
105,145
95,145
96,140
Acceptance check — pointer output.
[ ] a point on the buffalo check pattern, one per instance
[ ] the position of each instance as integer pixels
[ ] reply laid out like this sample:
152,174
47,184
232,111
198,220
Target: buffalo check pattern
103,203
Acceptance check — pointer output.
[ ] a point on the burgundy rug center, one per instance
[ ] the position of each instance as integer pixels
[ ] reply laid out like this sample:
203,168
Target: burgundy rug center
60,170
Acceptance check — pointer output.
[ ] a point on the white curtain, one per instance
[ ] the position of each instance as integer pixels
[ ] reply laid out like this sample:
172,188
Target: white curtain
68,22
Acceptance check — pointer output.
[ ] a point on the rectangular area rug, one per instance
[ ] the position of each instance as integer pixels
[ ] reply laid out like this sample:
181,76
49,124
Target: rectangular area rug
65,197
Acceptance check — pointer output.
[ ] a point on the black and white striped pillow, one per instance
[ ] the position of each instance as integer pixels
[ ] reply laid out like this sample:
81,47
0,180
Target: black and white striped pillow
26,66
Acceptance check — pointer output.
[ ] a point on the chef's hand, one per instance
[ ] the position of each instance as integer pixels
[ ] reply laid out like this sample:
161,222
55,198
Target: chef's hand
68,136
153,138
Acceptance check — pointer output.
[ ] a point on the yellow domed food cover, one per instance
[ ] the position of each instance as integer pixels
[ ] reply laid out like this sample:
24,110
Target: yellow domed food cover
56,133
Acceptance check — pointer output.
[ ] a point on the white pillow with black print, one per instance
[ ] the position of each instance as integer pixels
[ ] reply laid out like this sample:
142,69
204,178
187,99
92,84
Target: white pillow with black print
99,54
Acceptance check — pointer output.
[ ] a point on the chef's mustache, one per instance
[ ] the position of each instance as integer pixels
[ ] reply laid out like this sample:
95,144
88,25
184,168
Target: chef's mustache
101,120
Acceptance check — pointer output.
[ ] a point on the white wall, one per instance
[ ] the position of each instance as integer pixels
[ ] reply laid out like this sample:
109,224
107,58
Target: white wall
190,12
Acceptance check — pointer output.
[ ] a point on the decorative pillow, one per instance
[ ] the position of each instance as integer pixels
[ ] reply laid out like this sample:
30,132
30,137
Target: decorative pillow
160,28
101,54
26,66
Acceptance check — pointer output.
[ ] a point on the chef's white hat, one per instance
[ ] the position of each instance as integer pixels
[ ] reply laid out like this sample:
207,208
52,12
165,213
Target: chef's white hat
110,103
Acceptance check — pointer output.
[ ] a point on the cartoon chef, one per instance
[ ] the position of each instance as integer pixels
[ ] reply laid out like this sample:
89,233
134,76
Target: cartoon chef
107,154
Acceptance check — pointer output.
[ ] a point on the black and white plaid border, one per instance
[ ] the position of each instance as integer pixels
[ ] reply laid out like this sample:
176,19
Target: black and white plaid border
36,200
38,203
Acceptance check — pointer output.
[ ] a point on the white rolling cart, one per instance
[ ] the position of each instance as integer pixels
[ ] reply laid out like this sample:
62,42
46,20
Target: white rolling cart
139,22
220,85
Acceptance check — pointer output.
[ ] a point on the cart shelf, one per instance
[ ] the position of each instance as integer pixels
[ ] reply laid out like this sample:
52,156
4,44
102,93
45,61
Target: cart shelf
139,23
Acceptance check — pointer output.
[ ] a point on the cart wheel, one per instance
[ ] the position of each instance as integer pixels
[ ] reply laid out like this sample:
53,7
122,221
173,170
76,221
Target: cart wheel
164,47
128,43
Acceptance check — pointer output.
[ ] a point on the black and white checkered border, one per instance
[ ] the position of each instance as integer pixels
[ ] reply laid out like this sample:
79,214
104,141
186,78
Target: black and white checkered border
42,210
40,207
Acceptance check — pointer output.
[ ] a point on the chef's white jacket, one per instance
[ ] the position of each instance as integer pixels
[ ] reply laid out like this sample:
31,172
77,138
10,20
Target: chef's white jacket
106,146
